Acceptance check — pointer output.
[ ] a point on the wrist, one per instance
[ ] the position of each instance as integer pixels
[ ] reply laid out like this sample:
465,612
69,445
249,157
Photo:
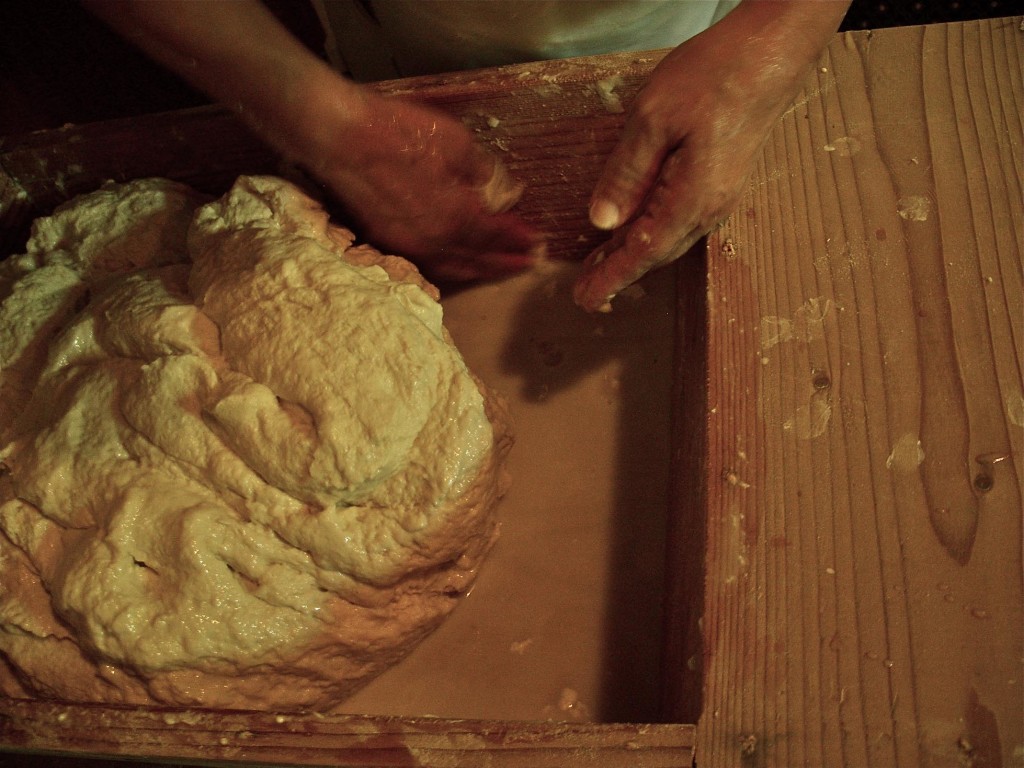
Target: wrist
327,110
764,49
800,28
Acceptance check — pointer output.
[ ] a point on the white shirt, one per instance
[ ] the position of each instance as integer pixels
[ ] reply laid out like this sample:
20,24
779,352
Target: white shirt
426,36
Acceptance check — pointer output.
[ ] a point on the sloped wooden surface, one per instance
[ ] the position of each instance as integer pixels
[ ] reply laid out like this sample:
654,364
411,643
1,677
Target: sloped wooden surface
551,123
864,445
263,738
849,382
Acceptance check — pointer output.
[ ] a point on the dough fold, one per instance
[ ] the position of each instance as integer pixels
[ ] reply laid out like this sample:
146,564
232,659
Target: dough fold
244,465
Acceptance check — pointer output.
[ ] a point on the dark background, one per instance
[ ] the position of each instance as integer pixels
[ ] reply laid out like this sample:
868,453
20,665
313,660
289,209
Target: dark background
60,65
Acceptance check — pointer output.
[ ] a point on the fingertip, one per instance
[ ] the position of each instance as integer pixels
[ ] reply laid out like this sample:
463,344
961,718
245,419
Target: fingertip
500,192
590,297
513,263
491,264
629,174
604,214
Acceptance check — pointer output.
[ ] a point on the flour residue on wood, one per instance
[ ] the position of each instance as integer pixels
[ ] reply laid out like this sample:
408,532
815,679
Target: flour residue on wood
1015,408
844,146
810,419
606,90
907,453
914,207
807,323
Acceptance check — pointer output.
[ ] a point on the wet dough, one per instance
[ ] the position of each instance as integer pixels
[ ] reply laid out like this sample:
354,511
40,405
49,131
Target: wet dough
243,463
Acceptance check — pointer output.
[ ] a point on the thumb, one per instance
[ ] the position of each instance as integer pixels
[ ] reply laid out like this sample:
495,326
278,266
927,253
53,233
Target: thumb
500,192
629,173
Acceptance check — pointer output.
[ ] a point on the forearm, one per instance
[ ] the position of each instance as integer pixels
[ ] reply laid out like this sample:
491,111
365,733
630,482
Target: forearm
413,179
239,54
793,32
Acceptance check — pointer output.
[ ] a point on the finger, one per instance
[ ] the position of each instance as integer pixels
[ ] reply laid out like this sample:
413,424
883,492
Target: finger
667,228
470,164
628,175
495,233
606,272
488,266
500,192
599,254
600,283
487,247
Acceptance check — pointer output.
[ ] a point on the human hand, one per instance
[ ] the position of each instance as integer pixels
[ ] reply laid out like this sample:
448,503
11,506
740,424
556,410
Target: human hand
413,177
419,184
693,135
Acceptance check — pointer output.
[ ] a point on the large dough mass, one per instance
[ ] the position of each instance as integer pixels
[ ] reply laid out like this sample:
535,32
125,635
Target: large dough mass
243,463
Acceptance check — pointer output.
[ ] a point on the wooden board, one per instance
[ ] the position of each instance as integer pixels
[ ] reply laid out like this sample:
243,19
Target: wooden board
864,444
553,127
231,737
863,592
550,123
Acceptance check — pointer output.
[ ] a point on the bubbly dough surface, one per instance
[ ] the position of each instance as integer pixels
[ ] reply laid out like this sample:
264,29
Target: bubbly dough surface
243,463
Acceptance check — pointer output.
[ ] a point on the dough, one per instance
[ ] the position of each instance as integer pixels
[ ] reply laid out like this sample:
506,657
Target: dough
243,464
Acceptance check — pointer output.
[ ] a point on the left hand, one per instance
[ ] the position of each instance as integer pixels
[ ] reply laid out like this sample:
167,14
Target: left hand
415,180
692,137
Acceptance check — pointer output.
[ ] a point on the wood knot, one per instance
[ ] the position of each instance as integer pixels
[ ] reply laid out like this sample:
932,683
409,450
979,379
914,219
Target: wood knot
748,744
983,482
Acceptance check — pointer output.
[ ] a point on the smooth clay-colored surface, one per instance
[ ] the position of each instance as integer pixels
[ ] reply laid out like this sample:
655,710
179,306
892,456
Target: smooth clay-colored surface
564,622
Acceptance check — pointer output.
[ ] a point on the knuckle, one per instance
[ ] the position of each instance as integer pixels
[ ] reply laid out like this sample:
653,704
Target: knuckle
721,201
639,240
627,177
646,114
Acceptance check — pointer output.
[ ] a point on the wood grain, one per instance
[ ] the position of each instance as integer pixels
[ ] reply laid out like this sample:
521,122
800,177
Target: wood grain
551,123
340,740
854,461
863,601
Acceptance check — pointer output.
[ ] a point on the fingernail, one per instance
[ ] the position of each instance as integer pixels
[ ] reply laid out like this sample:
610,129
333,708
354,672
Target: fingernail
581,296
604,215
